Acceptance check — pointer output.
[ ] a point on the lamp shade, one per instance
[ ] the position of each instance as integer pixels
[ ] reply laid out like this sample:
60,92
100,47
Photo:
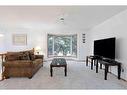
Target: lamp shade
37,48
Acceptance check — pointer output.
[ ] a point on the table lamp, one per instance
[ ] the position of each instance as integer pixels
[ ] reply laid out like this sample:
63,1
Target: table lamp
37,49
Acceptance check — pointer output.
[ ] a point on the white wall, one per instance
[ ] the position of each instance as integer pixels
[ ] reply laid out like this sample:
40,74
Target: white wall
1,50
114,27
1,44
38,37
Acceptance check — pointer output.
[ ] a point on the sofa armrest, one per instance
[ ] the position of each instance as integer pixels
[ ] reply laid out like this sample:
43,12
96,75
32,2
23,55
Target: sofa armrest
39,57
37,62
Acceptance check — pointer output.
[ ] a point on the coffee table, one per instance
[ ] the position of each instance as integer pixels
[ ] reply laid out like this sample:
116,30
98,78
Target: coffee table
58,62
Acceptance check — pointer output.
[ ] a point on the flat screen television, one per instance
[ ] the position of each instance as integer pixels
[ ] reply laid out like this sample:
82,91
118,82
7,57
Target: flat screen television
105,47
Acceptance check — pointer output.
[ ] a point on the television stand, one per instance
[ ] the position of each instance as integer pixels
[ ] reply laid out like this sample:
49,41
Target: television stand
90,59
93,61
103,61
110,62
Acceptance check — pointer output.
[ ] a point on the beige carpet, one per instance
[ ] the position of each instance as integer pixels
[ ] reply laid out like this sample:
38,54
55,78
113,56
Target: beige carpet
79,77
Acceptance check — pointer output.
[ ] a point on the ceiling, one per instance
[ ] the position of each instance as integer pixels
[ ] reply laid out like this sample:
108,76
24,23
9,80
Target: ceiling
81,17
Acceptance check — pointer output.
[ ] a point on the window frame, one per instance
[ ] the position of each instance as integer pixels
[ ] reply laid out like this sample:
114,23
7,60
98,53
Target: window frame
53,45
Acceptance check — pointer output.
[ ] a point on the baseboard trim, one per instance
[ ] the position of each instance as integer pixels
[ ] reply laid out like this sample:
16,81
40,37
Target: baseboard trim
117,76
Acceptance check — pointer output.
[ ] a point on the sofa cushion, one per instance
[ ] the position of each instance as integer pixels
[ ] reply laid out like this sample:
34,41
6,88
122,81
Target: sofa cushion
24,55
31,55
36,62
39,56
11,56
18,63
27,55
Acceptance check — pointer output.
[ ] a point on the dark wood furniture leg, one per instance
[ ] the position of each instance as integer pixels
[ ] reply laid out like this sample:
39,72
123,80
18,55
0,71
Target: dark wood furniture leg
100,66
106,71
91,64
87,61
119,71
51,71
65,70
97,66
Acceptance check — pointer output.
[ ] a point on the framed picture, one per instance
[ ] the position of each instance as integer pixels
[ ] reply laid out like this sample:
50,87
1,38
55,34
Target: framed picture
19,39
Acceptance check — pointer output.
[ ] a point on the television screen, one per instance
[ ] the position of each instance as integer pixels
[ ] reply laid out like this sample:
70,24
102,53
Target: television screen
105,48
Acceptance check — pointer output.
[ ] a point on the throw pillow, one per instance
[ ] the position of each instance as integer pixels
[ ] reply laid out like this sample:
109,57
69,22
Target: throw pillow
31,55
24,56
11,56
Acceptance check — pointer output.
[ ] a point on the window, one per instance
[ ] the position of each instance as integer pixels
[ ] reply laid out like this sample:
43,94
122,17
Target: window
62,45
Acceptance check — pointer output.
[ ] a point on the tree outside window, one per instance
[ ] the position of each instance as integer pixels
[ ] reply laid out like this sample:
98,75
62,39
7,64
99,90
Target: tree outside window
62,45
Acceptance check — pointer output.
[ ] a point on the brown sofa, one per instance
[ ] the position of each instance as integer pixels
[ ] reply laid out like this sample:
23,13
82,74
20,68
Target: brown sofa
22,64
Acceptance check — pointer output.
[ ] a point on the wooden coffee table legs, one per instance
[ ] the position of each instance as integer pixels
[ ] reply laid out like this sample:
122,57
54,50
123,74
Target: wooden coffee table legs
51,71
65,70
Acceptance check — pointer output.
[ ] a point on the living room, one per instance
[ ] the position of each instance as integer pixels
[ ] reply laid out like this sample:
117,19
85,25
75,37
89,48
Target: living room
88,23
